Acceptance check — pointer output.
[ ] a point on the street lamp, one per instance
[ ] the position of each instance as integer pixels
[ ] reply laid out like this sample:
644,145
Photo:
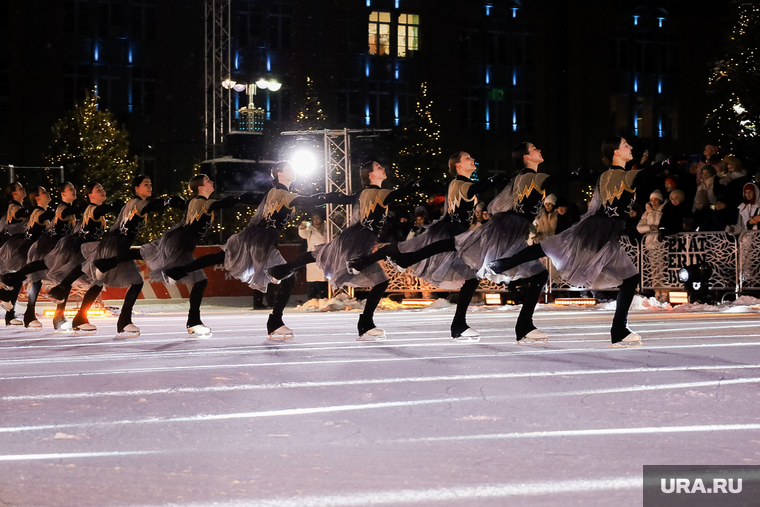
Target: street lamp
251,113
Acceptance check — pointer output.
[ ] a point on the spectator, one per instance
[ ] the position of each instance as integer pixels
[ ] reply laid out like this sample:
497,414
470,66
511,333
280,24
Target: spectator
674,213
670,185
700,211
567,215
708,182
710,152
732,184
546,221
477,219
649,224
420,224
315,233
720,218
749,211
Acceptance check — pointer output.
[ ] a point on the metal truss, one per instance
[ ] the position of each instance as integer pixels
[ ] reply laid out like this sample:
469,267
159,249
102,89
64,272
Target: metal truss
218,58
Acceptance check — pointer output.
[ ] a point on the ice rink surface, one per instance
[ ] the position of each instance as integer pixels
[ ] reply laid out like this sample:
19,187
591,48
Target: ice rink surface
324,420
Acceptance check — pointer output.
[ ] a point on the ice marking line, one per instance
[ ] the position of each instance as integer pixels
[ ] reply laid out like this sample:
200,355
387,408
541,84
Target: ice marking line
591,432
280,349
219,366
242,415
446,378
27,457
427,496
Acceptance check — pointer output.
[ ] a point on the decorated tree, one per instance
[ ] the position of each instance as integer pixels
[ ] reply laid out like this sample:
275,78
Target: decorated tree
419,150
92,146
734,86
311,116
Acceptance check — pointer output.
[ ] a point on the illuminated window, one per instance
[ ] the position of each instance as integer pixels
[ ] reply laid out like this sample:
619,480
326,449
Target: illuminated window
379,33
408,33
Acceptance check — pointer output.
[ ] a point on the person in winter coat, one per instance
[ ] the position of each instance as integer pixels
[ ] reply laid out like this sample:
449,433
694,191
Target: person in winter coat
749,211
649,225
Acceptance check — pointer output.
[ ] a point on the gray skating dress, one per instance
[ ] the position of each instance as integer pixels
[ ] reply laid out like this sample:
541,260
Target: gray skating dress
67,254
250,252
446,270
14,224
176,246
14,252
506,233
589,253
62,224
128,224
368,218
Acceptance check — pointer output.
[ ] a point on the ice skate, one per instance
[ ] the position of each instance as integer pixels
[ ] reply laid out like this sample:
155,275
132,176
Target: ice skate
499,266
61,325
375,334
281,333
631,341
129,331
279,273
469,335
6,305
535,336
34,325
85,328
199,331
13,322
392,263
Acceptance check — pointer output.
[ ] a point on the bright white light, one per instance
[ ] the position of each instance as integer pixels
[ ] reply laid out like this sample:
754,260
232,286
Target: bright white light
303,161
228,83
239,87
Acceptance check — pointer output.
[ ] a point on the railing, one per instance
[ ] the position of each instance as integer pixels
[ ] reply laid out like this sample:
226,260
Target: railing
735,261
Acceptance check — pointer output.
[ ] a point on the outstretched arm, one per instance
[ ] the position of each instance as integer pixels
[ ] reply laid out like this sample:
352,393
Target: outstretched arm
408,189
328,198
107,208
159,205
497,180
250,199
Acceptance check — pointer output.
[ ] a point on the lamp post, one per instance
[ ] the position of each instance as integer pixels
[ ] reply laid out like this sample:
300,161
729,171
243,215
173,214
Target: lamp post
250,112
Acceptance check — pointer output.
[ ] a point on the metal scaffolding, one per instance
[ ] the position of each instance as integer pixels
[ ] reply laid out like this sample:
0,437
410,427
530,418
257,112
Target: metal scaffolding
337,162
218,58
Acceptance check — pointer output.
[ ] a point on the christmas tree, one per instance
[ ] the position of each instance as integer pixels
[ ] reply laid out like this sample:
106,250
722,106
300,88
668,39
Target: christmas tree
91,146
419,152
311,116
734,84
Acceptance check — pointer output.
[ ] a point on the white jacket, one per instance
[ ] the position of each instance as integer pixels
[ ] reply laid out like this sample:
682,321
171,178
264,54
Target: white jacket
650,217
747,211
313,238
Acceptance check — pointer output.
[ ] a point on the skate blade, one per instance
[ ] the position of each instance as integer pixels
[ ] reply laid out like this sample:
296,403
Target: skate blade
193,334
626,345
532,341
369,338
85,332
280,337
125,335
467,339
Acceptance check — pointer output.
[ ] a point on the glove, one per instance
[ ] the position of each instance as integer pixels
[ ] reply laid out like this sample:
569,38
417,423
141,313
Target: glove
175,202
118,203
498,179
584,173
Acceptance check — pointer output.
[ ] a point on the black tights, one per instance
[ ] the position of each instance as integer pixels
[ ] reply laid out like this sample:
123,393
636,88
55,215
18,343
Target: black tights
204,262
527,254
196,297
624,299
89,298
459,324
370,305
281,299
125,317
34,290
536,285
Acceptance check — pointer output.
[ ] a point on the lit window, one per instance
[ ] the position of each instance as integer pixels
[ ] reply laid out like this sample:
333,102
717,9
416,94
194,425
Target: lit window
379,33
408,33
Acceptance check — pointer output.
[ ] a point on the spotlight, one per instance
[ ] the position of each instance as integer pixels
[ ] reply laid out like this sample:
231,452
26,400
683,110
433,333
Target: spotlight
696,280
304,162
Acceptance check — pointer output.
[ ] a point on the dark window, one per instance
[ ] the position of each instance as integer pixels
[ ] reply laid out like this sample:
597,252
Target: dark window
76,81
143,20
470,115
619,53
350,107
280,26
250,26
144,91
76,18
